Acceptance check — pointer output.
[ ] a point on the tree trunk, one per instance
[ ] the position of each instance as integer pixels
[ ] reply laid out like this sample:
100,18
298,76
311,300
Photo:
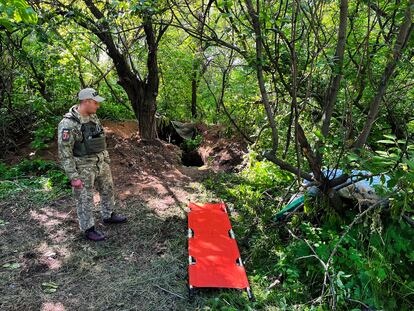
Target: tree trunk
254,15
332,93
146,118
404,33
2,91
194,87
148,107
142,94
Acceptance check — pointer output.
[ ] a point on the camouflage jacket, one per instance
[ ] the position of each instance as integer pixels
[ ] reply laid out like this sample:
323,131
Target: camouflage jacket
69,131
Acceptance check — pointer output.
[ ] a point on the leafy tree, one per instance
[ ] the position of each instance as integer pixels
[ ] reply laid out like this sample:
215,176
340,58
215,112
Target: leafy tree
13,12
300,53
122,27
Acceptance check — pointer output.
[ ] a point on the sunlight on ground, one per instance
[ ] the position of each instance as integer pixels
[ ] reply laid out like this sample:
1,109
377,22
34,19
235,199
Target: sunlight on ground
48,217
52,306
53,255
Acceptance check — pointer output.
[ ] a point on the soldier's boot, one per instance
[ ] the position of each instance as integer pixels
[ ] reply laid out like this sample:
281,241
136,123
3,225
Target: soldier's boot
94,235
115,219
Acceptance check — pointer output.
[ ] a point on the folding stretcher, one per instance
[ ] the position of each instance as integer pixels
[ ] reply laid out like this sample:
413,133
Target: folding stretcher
214,258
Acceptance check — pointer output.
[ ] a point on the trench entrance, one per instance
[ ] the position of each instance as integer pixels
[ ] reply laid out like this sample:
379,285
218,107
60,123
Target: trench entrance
191,158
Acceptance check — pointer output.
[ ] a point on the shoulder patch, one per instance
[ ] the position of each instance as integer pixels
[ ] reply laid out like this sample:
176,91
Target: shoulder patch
65,134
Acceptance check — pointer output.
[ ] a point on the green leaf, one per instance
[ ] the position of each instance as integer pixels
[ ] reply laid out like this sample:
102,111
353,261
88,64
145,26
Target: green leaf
3,222
318,134
11,266
386,141
382,275
49,287
6,23
410,164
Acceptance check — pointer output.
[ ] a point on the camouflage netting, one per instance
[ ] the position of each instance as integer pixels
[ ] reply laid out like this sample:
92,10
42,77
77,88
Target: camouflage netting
185,130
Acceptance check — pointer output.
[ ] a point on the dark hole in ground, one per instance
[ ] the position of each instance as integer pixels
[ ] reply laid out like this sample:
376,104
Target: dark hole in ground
191,158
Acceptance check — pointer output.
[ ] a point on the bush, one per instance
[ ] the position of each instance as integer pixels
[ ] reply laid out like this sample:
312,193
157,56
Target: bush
33,169
191,144
372,268
44,134
111,111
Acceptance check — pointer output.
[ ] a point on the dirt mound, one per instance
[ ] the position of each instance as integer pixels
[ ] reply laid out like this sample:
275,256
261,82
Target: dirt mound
155,172
124,129
151,171
218,152
133,152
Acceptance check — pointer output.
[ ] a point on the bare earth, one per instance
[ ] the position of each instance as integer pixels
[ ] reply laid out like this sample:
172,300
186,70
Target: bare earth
143,263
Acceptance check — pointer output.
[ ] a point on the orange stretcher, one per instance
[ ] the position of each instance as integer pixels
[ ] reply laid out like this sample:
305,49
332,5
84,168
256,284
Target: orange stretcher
214,258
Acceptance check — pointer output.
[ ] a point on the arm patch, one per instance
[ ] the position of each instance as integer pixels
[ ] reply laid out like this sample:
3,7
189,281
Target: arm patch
65,134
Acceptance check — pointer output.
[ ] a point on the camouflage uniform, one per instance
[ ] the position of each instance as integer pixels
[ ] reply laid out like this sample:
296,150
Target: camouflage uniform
91,168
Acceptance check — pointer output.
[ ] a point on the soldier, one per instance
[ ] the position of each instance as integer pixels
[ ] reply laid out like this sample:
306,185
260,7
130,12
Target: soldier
83,155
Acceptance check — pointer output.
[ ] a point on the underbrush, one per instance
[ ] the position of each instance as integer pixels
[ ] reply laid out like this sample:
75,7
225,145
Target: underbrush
114,112
37,125
43,179
304,264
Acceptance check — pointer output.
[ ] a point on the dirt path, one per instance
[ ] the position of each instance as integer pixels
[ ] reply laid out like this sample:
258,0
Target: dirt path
142,265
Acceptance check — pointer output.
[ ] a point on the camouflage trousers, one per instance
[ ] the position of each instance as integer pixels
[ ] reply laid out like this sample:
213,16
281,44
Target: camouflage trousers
95,174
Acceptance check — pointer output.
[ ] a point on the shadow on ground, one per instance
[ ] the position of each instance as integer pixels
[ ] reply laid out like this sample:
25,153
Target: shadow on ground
142,265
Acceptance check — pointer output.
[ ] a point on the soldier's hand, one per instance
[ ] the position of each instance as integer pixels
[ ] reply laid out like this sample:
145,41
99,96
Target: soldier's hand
77,183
